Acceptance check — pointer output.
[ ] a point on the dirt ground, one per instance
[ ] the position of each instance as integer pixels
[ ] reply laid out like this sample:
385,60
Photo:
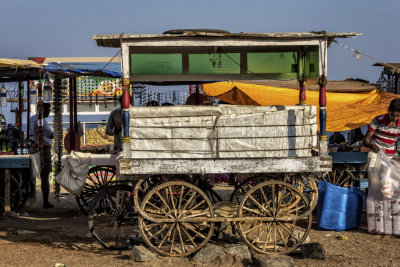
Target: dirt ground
61,236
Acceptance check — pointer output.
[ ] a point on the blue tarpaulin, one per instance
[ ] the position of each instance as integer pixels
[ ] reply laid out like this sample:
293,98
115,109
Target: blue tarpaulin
86,69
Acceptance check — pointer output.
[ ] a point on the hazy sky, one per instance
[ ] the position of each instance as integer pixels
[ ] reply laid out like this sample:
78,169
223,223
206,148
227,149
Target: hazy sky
56,28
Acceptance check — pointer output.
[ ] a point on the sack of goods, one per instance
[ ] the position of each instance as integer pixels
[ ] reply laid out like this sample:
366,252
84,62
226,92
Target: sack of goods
73,175
383,202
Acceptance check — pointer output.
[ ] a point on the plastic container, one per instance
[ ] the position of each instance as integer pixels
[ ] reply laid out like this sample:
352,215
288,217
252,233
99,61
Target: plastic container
387,217
396,216
371,215
339,208
380,227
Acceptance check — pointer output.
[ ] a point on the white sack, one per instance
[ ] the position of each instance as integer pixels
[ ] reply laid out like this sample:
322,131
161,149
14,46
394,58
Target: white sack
73,176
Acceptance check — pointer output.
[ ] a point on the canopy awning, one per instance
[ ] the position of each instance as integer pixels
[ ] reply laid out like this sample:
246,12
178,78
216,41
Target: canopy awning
98,69
345,111
18,63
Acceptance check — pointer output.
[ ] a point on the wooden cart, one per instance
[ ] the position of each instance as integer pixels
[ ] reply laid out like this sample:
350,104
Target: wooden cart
174,216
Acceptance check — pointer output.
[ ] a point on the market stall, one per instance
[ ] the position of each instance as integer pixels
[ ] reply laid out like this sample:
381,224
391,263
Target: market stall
19,157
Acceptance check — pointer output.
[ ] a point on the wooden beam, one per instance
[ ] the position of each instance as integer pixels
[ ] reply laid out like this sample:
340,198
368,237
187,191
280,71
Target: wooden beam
239,165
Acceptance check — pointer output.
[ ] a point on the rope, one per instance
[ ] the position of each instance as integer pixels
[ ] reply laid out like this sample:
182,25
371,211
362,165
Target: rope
108,63
357,53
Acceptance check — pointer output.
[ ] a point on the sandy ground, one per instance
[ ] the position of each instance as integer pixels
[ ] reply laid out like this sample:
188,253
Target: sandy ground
61,236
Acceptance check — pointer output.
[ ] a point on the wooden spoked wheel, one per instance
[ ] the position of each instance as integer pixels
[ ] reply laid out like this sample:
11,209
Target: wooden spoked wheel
247,184
278,218
147,185
111,216
97,178
179,201
339,176
306,184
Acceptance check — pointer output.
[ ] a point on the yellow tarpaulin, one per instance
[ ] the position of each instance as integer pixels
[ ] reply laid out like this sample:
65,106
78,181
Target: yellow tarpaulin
345,111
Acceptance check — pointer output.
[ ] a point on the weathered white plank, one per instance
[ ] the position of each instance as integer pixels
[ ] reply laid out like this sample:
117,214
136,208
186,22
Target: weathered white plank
267,131
231,144
238,144
194,111
278,118
183,121
209,155
171,155
223,132
252,165
177,145
171,132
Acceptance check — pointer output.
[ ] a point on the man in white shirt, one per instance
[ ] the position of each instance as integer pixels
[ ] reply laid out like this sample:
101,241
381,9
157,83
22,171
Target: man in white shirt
47,143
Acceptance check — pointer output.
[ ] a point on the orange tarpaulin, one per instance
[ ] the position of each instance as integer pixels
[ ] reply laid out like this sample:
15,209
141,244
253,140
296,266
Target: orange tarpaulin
345,111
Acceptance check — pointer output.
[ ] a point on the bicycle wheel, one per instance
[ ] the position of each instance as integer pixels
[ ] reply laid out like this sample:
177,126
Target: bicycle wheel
112,218
306,184
205,183
339,176
98,178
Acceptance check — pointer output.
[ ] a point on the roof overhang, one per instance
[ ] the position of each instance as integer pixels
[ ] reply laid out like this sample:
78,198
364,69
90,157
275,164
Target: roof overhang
12,70
115,40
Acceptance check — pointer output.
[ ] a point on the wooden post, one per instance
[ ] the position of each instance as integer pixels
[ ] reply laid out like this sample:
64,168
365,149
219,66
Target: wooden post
322,115
197,94
125,113
7,205
302,95
301,61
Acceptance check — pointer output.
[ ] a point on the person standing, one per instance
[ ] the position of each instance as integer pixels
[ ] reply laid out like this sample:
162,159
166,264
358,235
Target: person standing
384,130
47,143
114,127
382,134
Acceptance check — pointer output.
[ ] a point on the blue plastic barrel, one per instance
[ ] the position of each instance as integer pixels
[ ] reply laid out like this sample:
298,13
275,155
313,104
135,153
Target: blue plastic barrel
339,208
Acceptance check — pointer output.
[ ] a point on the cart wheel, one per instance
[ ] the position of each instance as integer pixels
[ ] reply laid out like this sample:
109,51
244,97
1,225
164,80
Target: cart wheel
111,216
176,199
98,178
339,176
15,193
307,185
288,217
246,185
27,186
148,184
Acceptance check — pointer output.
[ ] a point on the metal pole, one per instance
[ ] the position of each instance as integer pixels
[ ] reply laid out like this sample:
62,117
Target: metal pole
84,133
20,110
71,113
28,109
75,107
